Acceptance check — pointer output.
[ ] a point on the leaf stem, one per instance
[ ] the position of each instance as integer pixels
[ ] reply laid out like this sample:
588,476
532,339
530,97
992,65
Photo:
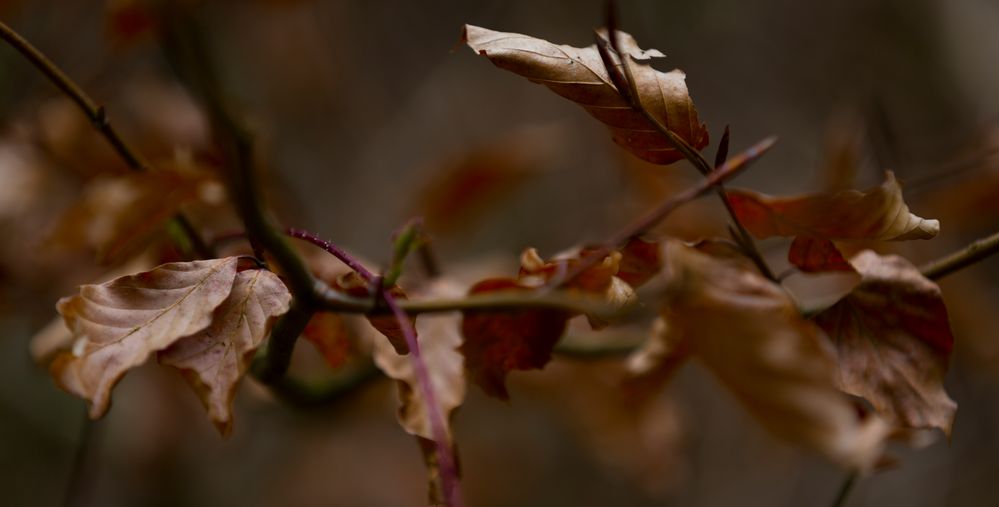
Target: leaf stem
99,119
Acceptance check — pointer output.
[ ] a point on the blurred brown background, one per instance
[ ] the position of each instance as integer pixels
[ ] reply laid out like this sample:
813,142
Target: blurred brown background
360,105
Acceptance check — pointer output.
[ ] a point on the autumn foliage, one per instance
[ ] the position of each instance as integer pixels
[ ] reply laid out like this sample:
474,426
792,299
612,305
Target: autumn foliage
844,381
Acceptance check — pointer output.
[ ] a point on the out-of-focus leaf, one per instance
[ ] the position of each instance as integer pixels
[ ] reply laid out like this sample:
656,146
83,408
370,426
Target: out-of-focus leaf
894,342
329,334
471,184
118,324
116,216
497,342
816,255
748,332
640,261
579,75
215,359
877,213
439,338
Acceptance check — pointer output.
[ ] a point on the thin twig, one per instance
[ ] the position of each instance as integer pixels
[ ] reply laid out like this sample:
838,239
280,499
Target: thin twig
631,94
99,119
85,444
934,270
333,250
844,490
438,425
643,224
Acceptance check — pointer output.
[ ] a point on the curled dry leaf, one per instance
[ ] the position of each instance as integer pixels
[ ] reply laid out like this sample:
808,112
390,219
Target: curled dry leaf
497,342
579,75
118,324
877,213
216,358
894,342
748,332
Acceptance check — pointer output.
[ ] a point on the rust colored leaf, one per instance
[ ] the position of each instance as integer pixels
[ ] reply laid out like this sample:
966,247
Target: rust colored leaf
816,255
894,342
331,337
497,342
215,359
118,324
387,325
877,213
640,261
117,216
579,75
748,332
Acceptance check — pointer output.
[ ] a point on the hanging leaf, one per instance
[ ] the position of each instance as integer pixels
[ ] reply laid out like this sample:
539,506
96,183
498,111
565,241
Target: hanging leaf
877,213
215,359
815,255
387,325
748,332
439,339
579,75
894,342
497,342
118,324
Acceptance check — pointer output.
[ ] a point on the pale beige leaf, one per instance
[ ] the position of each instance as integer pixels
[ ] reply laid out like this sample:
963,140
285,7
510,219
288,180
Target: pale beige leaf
118,324
439,338
218,356
894,342
579,75
877,213
748,332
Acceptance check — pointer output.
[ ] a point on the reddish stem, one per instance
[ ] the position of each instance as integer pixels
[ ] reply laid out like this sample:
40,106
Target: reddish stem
438,426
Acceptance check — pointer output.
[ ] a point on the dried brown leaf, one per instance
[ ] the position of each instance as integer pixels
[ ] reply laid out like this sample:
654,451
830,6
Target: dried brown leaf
439,339
118,324
116,216
894,342
877,213
215,359
748,332
579,75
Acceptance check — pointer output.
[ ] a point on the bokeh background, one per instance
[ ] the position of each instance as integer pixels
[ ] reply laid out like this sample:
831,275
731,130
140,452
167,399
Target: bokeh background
364,108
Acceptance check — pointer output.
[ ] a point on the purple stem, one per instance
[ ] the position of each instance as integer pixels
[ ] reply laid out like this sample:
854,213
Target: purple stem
333,250
445,457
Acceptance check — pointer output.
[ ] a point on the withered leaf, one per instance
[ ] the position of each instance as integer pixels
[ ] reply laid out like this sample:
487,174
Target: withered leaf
877,213
329,334
118,324
116,215
439,339
894,342
640,261
579,75
748,332
216,358
816,255
387,325
497,342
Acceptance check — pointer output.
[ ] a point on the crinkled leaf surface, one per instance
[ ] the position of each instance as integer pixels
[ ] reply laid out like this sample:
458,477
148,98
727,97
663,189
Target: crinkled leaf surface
894,342
748,332
216,358
118,324
877,213
579,75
